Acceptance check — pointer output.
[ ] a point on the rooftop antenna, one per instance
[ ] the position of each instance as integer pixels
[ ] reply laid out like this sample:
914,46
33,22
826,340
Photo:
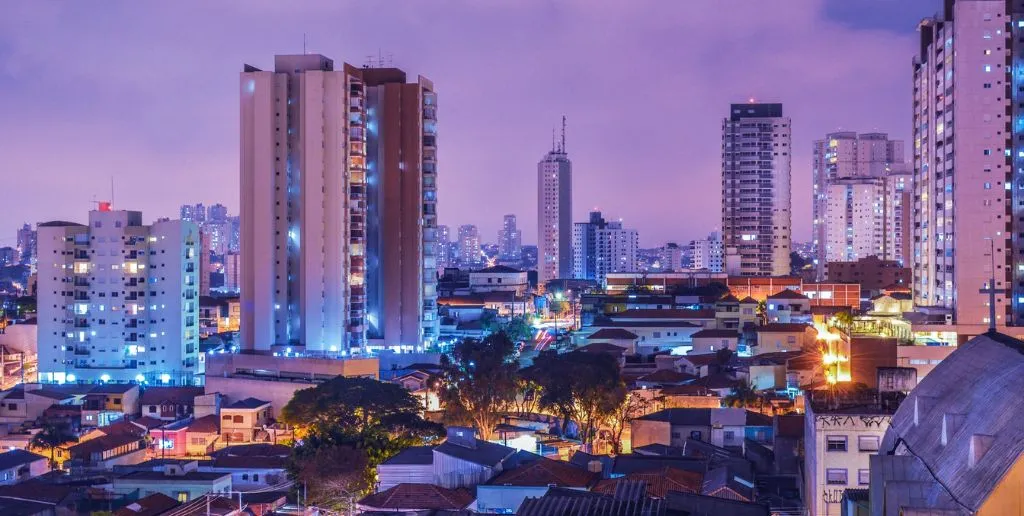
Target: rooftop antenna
304,43
553,147
563,134
111,190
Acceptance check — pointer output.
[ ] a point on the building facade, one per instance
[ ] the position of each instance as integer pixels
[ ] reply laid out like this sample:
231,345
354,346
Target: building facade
844,161
469,246
510,240
337,236
554,214
707,253
601,247
756,197
965,162
670,257
118,300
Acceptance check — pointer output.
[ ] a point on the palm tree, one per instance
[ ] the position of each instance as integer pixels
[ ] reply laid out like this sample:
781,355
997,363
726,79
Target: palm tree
742,396
52,436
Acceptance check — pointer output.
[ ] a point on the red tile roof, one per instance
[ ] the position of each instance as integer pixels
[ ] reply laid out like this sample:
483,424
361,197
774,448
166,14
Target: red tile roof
659,482
687,390
205,425
418,496
612,333
787,294
702,359
748,301
152,505
666,376
546,472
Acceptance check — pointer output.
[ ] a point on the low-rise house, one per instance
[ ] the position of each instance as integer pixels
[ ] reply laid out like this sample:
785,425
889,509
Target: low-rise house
463,460
418,383
107,451
152,505
39,498
671,427
724,482
663,378
202,435
252,467
721,384
106,403
788,306
169,403
712,340
688,396
416,499
413,465
179,480
619,337
657,482
731,426
698,364
499,278
240,421
775,337
20,465
532,478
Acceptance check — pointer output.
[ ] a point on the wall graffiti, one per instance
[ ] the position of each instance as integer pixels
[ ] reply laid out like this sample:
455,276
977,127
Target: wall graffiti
839,420
832,495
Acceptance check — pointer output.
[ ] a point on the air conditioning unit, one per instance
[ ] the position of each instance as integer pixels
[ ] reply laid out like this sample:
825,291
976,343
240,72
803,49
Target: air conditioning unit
949,318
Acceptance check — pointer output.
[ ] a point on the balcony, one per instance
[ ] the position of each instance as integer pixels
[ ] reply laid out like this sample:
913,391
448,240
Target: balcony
82,351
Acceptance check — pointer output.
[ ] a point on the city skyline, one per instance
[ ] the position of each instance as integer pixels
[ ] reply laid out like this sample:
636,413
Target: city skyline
179,148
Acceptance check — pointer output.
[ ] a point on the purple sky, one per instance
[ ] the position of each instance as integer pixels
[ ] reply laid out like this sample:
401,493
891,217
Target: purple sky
145,92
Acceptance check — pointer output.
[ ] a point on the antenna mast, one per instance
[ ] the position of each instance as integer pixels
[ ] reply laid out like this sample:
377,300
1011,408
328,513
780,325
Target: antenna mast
111,190
303,43
563,134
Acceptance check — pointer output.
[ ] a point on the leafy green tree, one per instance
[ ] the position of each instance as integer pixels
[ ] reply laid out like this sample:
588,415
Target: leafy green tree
633,406
518,329
333,476
51,437
479,382
585,388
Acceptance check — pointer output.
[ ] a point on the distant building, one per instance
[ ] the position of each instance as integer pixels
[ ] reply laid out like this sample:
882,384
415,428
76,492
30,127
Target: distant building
193,213
118,300
873,274
26,244
756,222
554,214
706,253
510,240
231,272
601,247
670,256
469,246
9,256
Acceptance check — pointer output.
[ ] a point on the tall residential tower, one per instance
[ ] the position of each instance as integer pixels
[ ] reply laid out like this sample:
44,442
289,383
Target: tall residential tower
338,173
756,213
554,213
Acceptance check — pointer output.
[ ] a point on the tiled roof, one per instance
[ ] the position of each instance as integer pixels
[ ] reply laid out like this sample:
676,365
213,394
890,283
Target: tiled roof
205,425
152,505
175,395
547,472
659,481
14,458
53,395
247,403
602,347
148,422
112,388
664,313
627,323
37,491
497,269
723,482
687,390
723,334
717,381
612,333
783,328
123,427
681,416
729,299
254,450
787,294
702,359
697,504
628,500
418,496
748,301
666,376
103,443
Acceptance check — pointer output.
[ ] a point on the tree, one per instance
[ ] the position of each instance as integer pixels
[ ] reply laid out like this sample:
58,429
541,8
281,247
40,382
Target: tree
633,405
743,396
333,476
479,382
51,437
361,422
518,329
583,387
356,404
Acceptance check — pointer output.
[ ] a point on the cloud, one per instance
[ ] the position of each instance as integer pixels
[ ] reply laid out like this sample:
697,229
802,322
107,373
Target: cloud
147,92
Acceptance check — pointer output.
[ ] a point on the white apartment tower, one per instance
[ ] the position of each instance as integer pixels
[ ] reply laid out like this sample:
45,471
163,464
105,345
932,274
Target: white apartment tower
601,247
756,211
118,301
850,173
469,245
965,163
554,213
338,231
707,253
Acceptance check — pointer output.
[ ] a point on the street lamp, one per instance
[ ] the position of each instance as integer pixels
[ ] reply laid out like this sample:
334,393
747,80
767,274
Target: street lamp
558,297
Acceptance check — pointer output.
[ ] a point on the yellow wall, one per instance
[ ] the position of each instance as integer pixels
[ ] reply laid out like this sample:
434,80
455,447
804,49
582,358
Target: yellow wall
1008,496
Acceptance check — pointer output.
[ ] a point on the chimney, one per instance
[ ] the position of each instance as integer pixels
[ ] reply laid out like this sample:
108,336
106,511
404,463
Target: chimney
594,466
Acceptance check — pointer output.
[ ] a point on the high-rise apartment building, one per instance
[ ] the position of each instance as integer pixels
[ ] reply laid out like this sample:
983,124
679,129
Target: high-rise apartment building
601,246
670,257
510,240
118,300
851,180
707,253
756,197
338,218
232,278
899,211
444,248
193,213
217,213
469,246
26,244
554,214
966,107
